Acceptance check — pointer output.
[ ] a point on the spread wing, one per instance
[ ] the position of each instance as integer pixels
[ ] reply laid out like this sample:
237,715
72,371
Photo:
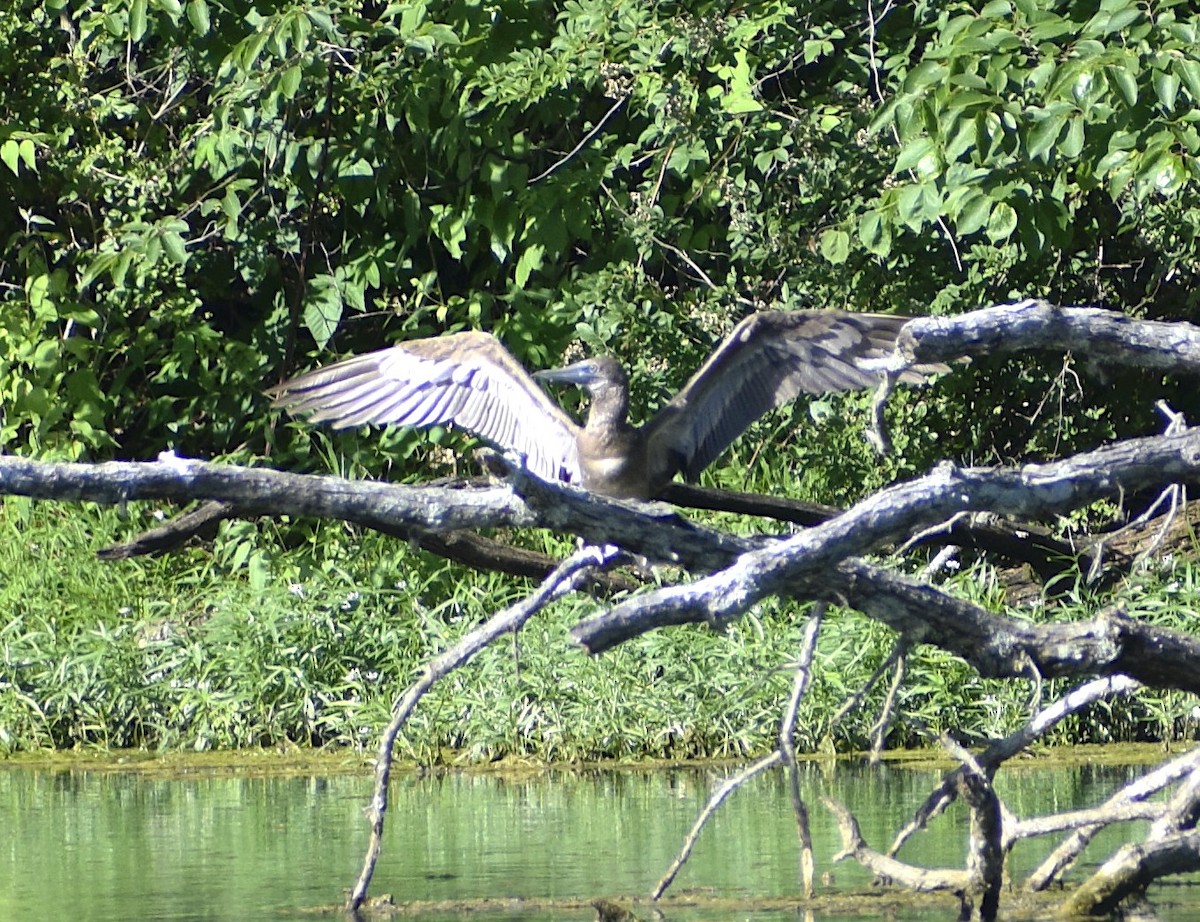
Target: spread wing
468,380
768,360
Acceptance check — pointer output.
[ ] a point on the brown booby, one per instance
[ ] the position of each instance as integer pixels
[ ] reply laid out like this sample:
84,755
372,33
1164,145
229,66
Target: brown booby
470,381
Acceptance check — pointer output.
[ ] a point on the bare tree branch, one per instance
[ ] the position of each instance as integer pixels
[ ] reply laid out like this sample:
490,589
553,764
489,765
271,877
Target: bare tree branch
922,880
1099,334
998,751
783,567
785,753
563,580
1131,870
1113,809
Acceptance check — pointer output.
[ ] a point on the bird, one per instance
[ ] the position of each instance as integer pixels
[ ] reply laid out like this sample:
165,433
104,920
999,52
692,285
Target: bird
470,381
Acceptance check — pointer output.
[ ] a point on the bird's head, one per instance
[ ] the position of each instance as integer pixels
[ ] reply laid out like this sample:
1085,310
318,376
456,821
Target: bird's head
594,375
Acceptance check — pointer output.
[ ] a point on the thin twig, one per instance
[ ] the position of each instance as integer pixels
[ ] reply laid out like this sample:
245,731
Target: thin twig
612,110
718,796
787,744
563,580
884,723
785,753
1175,494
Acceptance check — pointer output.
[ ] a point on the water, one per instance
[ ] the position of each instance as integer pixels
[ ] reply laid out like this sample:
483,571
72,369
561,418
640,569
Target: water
101,847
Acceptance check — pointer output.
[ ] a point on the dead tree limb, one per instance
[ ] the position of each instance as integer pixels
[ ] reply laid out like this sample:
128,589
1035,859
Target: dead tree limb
784,566
1130,796
563,580
999,751
784,753
985,854
804,566
1130,871
1100,335
922,880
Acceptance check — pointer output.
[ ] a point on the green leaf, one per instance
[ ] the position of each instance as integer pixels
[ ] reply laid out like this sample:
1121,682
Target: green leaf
322,20
1050,28
911,204
738,98
1126,82
137,20
1044,134
974,214
738,103
1166,87
175,247
925,74
231,205
912,153
835,246
962,140
10,153
37,293
1164,174
289,83
323,308
1189,68
1072,144
1111,161
1002,223
28,154
197,13
531,259
875,235
355,168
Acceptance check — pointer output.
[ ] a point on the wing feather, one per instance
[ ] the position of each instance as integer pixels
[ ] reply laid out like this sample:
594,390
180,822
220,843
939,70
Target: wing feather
768,360
467,380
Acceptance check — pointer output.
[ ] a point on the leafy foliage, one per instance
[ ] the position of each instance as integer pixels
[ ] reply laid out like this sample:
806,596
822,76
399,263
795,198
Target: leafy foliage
205,192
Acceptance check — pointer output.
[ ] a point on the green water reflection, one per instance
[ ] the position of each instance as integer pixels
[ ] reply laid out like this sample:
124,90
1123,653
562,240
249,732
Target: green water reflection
100,847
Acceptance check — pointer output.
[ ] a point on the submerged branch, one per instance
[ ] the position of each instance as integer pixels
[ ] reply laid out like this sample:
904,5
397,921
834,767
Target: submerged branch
999,751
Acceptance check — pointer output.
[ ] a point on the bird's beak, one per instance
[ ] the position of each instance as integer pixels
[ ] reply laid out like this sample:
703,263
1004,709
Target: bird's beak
580,373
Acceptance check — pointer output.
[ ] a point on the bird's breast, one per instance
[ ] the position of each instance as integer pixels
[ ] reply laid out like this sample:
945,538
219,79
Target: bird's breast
618,475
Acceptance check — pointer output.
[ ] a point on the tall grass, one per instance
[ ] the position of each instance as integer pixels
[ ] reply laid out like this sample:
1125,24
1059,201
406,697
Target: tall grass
305,634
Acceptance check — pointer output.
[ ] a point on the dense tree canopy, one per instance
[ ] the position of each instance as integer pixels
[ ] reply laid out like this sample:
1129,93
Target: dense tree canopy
205,193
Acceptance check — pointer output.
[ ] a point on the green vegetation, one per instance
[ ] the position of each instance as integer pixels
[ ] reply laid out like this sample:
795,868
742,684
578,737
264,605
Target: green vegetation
208,195
310,645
